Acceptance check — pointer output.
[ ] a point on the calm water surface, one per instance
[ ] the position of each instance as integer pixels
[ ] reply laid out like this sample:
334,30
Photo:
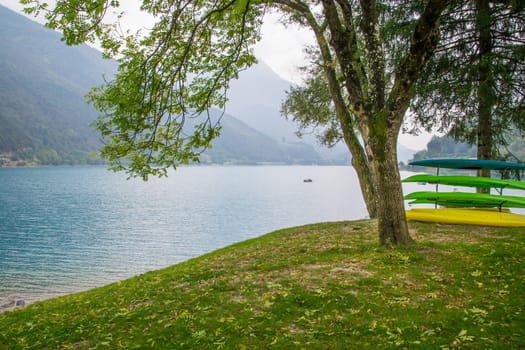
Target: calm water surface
69,229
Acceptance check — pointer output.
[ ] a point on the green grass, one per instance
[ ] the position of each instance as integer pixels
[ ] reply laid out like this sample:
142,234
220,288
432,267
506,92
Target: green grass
323,286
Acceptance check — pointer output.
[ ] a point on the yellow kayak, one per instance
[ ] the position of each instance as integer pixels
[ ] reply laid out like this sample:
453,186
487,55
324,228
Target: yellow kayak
480,217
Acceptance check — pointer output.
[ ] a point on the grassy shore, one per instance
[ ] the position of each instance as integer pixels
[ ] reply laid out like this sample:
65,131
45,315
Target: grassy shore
323,286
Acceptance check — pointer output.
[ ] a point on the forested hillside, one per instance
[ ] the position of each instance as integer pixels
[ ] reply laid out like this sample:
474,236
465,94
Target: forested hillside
239,144
446,147
44,118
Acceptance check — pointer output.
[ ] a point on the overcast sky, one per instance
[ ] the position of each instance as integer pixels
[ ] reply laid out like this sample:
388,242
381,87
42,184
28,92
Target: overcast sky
281,48
283,54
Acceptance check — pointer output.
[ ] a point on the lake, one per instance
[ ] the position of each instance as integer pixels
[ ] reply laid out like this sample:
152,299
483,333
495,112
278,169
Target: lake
68,229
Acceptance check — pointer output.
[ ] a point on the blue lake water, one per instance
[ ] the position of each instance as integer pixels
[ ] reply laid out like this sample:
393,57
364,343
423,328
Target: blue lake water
68,229
64,230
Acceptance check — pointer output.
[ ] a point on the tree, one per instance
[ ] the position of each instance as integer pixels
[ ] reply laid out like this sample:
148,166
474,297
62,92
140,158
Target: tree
335,83
182,67
474,86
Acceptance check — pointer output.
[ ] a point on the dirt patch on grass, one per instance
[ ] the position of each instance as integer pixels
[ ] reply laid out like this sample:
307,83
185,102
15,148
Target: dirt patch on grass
319,275
441,233
353,269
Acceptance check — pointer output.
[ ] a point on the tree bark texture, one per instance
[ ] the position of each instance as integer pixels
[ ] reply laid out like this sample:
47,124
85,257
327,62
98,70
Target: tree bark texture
485,86
393,228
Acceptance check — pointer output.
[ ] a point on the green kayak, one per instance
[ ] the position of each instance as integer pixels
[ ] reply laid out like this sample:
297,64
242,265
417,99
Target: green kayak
466,199
468,181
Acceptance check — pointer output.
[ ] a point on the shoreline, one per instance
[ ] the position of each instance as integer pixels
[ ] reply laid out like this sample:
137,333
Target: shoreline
15,302
11,304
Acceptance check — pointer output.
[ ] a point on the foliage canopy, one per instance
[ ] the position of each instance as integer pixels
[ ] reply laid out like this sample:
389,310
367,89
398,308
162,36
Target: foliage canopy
175,73
474,86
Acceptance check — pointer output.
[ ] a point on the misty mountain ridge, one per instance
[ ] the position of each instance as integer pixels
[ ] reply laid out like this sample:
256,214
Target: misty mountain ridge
258,105
45,119
44,116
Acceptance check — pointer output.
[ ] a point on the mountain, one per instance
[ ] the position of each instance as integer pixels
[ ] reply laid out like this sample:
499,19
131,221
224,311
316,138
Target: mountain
445,147
239,144
43,114
44,118
256,97
258,105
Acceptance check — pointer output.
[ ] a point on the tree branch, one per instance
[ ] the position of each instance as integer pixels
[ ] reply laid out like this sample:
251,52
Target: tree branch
424,41
374,53
344,43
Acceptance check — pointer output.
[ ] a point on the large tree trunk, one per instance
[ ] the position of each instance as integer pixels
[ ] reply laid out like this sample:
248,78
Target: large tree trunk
485,81
392,224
